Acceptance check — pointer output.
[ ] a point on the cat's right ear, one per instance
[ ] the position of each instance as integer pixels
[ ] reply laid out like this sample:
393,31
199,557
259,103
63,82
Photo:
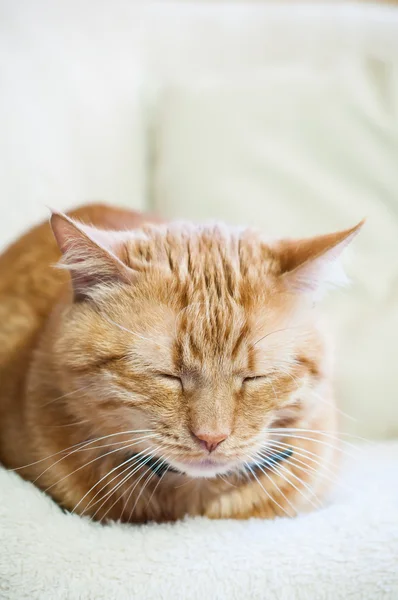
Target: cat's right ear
92,256
310,265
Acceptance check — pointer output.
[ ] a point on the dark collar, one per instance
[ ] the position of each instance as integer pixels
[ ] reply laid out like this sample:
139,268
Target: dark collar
269,461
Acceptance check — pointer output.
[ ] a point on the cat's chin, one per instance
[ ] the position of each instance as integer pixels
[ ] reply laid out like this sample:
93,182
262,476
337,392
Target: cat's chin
204,468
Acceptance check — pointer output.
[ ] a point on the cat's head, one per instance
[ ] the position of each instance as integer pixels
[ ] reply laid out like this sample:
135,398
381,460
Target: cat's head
197,338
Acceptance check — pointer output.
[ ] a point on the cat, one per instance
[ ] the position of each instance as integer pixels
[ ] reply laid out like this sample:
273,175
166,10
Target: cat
164,370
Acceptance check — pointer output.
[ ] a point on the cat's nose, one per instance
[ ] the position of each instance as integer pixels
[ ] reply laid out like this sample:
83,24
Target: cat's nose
210,441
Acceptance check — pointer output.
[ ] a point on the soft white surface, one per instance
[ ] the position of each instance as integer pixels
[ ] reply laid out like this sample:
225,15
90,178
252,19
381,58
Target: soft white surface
293,128
71,109
346,550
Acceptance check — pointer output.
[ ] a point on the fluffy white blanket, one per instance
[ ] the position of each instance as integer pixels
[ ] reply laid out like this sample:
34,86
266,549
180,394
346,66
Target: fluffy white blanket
349,549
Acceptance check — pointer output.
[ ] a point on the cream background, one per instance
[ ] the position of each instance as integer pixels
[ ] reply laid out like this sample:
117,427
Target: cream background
72,128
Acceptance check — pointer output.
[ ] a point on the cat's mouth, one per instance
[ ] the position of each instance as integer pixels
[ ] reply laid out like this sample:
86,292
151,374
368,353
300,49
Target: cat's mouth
206,467
210,467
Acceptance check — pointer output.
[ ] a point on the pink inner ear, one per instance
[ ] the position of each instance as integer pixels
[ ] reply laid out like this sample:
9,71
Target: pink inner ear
90,254
324,271
308,264
108,240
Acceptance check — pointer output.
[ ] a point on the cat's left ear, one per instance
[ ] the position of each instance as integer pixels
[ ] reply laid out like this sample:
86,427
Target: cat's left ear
92,256
311,264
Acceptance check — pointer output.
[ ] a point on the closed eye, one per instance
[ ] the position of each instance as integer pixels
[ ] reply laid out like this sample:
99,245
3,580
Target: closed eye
255,378
107,360
171,378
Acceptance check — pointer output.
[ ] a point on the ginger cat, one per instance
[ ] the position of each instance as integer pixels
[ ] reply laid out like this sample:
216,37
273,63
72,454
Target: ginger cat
166,370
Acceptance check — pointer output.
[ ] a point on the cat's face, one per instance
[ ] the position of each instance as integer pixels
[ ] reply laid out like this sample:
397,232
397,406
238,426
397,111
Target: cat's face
201,337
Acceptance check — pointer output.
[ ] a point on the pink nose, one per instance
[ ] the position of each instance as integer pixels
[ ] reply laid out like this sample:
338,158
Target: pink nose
210,441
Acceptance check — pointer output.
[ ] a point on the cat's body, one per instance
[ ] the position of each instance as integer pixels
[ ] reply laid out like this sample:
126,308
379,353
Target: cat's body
169,377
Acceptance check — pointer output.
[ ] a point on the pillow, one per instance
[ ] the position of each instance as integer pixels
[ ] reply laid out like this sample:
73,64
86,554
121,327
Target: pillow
197,38
71,110
297,149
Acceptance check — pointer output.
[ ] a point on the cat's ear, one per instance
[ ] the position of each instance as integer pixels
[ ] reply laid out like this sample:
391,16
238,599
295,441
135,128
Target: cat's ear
92,256
311,264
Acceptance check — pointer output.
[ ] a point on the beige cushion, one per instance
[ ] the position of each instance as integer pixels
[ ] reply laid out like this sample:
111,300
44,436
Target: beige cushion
71,111
348,549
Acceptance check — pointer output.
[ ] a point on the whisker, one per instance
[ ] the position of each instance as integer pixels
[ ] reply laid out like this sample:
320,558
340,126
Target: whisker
67,424
82,444
90,462
142,463
132,491
226,481
264,490
322,442
323,432
310,470
190,480
277,468
125,442
297,451
66,395
335,447
296,381
276,331
156,486
131,462
295,462
275,485
147,480
321,467
334,405
132,459
85,448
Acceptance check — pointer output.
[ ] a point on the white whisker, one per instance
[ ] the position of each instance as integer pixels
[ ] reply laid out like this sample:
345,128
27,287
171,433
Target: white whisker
147,480
133,488
142,463
322,432
276,331
321,442
278,468
156,486
83,448
67,424
274,484
334,406
297,450
226,481
81,444
92,461
132,462
320,470
66,395
265,491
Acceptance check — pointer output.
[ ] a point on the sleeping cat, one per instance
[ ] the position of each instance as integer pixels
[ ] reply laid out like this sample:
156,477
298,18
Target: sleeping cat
167,370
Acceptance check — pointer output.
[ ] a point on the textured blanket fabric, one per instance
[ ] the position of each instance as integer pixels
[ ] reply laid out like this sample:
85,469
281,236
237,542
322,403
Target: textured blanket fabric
349,549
